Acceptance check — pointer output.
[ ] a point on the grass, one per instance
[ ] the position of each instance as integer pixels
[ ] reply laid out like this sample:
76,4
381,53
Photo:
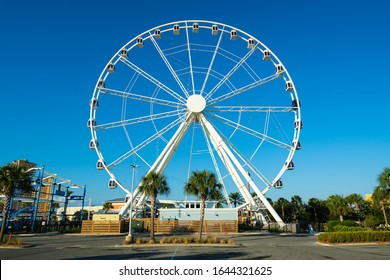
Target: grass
12,242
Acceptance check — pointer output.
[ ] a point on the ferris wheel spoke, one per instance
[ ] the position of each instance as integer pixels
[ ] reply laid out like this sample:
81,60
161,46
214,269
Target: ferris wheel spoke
230,73
212,61
139,97
153,79
243,89
145,143
142,119
252,109
175,76
247,162
216,167
252,132
190,60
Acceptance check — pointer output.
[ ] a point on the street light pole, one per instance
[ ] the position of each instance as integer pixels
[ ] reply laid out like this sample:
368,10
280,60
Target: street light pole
130,236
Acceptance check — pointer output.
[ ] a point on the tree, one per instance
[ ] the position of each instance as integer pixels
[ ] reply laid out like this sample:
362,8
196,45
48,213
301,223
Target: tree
355,202
317,210
338,206
381,194
107,206
152,185
204,185
13,177
297,206
76,215
280,207
236,198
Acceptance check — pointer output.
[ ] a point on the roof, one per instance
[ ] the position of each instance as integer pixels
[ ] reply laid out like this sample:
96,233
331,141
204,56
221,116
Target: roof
116,200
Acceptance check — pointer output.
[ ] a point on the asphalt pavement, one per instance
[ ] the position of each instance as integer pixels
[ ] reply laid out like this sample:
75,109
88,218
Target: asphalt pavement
250,246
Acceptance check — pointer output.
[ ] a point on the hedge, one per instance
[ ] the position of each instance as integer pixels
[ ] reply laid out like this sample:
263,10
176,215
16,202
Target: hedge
354,237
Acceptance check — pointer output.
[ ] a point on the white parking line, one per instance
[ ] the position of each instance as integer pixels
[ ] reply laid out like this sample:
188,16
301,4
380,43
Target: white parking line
174,253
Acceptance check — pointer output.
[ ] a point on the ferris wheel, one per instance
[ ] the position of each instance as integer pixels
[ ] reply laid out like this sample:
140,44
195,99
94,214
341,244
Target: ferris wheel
192,95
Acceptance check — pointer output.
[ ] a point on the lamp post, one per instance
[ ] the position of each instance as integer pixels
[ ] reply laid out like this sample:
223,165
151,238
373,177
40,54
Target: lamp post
129,236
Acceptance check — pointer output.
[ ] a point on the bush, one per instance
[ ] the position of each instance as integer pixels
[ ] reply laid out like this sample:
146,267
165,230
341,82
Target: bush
336,225
12,242
331,224
354,237
346,228
349,223
371,221
184,240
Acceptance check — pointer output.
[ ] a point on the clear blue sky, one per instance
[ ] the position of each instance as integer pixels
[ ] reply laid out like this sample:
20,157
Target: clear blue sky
337,53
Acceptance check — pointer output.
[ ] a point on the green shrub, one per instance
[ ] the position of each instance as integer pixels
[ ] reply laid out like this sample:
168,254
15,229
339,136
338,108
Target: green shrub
346,228
331,224
336,225
349,223
188,239
371,221
354,236
183,240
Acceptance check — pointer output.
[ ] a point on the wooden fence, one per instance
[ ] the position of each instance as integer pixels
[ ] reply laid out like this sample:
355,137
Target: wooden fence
209,226
114,227
99,227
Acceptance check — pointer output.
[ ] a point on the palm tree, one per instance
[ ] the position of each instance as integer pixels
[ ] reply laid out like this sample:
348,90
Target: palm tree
204,185
297,204
355,201
13,176
317,210
280,206
381,193
337,206
107,206
236,198
152,185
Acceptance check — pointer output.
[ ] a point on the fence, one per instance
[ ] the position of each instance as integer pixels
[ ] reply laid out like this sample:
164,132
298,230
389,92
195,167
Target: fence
209,226
97,227
166,226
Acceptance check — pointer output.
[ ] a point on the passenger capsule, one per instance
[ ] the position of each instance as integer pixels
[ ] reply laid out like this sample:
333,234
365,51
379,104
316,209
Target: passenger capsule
101,84
94,103
140,42
112,184
289,86
233,35
251,43
124,53
91,123
157,34
298,125
100,165
279,69
93,144
195,27
266,55
278,184
294,104
214,29
176,29
297,145
111,68
290,165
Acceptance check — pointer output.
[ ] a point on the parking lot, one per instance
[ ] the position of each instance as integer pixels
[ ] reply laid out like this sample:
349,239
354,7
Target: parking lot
250,246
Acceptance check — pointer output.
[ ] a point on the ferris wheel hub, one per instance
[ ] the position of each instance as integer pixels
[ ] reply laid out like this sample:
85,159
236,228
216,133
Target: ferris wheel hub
196,103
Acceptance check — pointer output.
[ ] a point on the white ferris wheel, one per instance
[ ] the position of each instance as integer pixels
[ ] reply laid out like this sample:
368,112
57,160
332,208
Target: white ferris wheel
193,95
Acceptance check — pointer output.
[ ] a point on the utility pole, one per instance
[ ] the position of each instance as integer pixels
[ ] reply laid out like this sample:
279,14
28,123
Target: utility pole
129,237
